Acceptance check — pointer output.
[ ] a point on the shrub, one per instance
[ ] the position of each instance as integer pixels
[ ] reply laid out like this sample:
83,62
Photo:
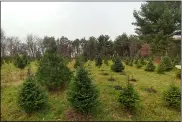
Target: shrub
52,72
172,97
31,96
150,66
117,66
21,61
98,61
82,94
129,98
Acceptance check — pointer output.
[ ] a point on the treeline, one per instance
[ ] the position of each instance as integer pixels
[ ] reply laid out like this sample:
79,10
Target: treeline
155,23
35,47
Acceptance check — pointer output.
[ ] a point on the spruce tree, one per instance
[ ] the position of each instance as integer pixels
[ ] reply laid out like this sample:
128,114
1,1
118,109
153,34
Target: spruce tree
82,94
98,61
166,61
127,61
31,97
142,61
78,63
130,62
128,97
138,65
150,66
160,68
177,60
21,61
52,72
106,61
117,65
136,61
172,96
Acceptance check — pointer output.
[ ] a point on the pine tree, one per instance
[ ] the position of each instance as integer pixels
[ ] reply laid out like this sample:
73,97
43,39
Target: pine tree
31,96
82,94
130,62
98,61
128,97
142,61
166,61
150,66
160,68
78,63
177,60
136,61
21,61
52,72
173,96
138,65
117,66
106,61
127,61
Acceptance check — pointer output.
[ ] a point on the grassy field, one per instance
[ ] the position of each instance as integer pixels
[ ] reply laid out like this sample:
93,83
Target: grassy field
151,106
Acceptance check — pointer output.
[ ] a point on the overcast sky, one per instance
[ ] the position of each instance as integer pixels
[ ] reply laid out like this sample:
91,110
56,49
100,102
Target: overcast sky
73,20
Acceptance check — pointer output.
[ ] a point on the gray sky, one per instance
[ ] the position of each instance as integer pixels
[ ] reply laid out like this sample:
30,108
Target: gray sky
73,20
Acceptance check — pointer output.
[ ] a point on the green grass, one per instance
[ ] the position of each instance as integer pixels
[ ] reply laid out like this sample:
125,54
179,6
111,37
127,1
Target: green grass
151,106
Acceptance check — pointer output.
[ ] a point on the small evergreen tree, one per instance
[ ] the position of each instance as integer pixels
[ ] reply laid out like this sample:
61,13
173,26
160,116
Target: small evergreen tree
82,94
178,74
98,61
177,60
128,97
52,72
160,68
117,65
78,63
142,61
106,61
173,97
150,66
166,61
21,61
31,96
130,62
138,65
136,61
127,61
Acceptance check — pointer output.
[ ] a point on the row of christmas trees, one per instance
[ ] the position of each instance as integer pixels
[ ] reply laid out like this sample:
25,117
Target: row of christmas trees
82,94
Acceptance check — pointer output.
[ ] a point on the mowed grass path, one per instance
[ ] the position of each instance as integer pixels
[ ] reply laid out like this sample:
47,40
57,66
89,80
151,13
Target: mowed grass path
58,108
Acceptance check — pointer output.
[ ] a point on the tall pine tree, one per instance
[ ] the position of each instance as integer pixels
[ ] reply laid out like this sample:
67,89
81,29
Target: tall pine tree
52,72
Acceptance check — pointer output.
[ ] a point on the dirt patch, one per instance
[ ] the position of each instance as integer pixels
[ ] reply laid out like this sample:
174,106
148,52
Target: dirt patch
118,87
111,79
104,73
133,79
151,90
78,116
58,90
